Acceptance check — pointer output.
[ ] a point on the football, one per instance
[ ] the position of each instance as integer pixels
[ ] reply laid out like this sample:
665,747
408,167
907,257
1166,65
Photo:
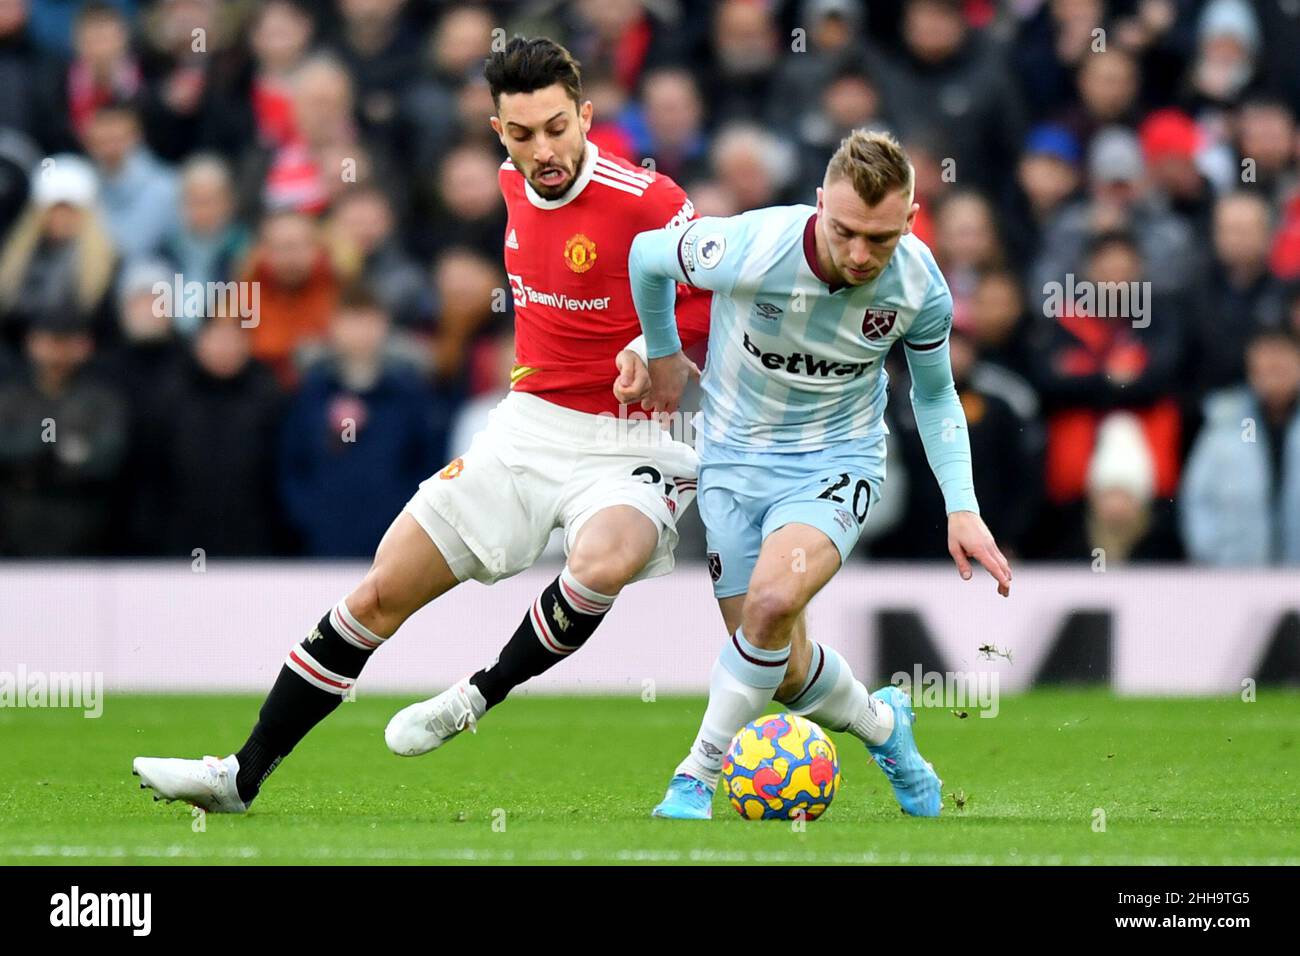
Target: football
780,767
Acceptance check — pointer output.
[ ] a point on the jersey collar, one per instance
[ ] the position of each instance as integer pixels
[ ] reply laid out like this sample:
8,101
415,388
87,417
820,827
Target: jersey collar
810,254
579,184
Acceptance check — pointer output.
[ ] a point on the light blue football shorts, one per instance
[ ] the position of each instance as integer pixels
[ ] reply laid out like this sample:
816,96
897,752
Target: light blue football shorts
746,495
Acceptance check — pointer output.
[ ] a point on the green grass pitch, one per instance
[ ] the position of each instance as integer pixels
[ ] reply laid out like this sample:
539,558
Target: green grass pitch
572,780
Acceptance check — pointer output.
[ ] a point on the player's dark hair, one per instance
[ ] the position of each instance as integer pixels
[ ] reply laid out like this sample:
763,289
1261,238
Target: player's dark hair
528,64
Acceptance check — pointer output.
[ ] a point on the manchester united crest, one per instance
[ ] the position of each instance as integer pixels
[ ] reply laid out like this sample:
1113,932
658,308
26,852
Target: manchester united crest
877,322
579,253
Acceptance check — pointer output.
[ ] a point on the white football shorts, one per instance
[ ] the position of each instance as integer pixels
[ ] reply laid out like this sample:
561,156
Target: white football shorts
538,466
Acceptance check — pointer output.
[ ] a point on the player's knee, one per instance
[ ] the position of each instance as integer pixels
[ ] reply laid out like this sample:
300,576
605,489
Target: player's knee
367,605
607,564
771,609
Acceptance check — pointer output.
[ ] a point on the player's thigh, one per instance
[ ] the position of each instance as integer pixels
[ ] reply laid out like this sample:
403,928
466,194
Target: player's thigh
407,573
612,546
620,509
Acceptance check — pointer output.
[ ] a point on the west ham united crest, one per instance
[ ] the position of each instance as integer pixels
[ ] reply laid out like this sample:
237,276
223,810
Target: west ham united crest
715,565
877,322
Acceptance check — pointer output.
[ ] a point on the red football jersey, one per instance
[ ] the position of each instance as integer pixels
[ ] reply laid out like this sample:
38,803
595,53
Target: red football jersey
566,260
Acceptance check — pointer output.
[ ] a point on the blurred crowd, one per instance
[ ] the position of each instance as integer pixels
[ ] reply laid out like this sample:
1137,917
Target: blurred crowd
338,155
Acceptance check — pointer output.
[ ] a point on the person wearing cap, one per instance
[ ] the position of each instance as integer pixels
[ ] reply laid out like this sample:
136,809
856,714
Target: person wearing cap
1049,177
1120,521
59,254
1227,46
1172,147
63,441
1240,498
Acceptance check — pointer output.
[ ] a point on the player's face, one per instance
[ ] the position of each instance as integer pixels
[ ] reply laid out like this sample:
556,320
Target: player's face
545,133
861,238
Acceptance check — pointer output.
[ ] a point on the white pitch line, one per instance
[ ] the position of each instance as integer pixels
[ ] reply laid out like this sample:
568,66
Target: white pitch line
471,855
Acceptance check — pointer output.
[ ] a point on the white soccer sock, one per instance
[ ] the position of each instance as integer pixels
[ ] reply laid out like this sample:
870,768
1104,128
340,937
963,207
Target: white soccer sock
740,689
848,705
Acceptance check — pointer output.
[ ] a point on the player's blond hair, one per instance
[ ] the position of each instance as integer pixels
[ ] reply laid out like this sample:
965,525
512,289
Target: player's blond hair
874,162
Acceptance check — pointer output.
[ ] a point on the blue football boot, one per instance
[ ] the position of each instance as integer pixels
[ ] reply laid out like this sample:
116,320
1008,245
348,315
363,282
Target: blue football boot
916,785
686,799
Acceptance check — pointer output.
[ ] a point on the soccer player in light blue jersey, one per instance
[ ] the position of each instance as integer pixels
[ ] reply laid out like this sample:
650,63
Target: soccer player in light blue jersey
807,303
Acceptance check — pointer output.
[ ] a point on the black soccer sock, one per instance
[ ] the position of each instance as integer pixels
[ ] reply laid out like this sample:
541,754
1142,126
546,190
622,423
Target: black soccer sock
315,678
559,622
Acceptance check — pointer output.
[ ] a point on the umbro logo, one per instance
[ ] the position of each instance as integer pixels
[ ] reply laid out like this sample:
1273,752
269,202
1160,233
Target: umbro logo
767,310
512,241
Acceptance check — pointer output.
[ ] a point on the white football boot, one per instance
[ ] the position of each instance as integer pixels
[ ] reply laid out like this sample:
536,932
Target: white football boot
431,723
208,783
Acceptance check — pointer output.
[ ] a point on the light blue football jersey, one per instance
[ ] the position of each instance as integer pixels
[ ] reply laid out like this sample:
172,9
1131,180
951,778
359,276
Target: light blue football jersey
795,364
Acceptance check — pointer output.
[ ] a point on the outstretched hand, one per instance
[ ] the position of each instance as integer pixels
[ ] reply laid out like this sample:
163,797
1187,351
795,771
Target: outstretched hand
969,537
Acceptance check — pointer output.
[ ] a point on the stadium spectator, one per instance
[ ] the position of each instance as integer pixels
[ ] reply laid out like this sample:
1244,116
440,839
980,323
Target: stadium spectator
59,255
1241,494
1049,177
188,67
966,243
215,489
755,167
746,48
460,42
137,191
1112,348
102,71
674,124
469,292
1172,151
363,230
849,100
1267,136
208,243
147,356
1224,64
1117,200
360,419
18,157
953,79
1109,86
63,439
297,284
832,41
462,205
1121,521
1001,332
1236,297
280,39
375,44
27,78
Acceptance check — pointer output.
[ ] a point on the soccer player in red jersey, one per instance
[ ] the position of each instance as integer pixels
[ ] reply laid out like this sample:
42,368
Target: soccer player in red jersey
556,452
